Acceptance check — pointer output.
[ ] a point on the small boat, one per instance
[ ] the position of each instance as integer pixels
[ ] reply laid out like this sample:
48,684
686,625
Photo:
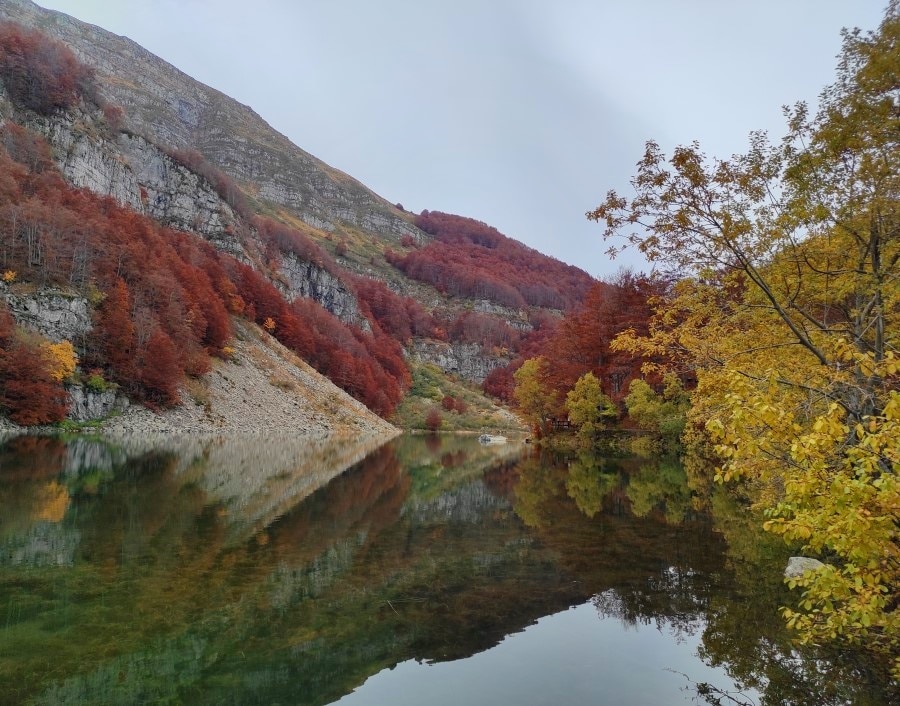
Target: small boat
492,439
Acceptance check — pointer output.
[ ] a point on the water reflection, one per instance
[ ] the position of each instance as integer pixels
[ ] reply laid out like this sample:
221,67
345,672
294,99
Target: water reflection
262,571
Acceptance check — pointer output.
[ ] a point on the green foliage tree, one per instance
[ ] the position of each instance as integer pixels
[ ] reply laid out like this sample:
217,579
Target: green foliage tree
663,414
588,407
790,315
660,484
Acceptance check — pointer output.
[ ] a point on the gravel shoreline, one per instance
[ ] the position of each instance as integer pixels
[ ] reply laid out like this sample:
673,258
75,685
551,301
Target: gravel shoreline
262,389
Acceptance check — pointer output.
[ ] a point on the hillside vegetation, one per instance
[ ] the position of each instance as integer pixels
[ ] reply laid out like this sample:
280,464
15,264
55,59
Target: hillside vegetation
162,298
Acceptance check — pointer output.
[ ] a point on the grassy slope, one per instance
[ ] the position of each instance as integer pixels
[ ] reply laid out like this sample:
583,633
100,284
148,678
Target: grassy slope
430,386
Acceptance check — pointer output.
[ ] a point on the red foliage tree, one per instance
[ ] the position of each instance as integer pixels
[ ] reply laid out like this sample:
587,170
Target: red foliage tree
400,317
25,147
40,73
284,240
369,366
582,342
433,419
489,331
500,382
158,370
168,295
471,259
454,404
114,332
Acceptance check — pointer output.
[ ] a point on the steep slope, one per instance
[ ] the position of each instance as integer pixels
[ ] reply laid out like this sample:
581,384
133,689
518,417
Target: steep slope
261,388
176,111
173,109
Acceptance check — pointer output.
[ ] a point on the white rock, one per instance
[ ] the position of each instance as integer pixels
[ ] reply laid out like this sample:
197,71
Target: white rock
799,565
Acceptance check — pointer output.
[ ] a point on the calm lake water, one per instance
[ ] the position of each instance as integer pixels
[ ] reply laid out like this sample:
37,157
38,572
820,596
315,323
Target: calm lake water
427,571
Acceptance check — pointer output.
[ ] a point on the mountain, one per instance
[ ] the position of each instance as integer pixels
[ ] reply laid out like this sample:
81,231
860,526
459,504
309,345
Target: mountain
194,160
171,108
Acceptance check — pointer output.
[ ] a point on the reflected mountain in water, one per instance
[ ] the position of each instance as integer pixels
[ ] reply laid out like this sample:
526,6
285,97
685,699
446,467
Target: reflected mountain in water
254,479
211,572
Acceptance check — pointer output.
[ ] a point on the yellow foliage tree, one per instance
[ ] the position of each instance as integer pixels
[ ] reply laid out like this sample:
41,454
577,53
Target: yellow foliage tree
534,397
790,311
62,358
588,407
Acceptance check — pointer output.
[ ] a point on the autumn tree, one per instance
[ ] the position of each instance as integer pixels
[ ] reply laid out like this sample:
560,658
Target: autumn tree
587,483
62,359
583,341
41,73
469,258
534,399
663,413
790,314
114,331
433,420
30,392
588,407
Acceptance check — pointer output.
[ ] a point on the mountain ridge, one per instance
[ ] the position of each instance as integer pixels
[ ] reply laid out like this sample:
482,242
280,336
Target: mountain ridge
165,103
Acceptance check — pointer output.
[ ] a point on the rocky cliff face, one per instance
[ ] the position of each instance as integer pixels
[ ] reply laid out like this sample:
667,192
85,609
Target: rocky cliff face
135,172
175,110
465,360
59,316
165,108
141,175
300,278
52,313
138,174
86,404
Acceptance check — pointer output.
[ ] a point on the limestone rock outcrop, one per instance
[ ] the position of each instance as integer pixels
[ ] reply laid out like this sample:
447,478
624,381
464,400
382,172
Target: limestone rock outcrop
86,404
300,278
465,360
52,313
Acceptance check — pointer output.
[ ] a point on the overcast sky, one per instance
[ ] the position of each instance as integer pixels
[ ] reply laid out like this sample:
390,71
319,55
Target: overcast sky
521,113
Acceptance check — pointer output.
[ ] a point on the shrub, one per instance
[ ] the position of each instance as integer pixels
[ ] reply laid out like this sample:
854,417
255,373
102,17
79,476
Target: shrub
433,420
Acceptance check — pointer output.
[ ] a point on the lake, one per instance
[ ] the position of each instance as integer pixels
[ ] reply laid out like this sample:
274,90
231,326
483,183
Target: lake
429,570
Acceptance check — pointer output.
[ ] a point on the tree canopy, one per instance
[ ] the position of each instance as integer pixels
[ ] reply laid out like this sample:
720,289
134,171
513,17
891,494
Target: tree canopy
787,308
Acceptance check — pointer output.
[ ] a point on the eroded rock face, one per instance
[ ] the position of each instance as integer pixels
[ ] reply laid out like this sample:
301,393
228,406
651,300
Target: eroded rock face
141,176
52,313
465,360
138,174
516,318
86,404
305,279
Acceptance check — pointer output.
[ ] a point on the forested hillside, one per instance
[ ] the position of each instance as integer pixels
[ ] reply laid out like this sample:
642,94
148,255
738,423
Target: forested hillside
162,298
164,246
